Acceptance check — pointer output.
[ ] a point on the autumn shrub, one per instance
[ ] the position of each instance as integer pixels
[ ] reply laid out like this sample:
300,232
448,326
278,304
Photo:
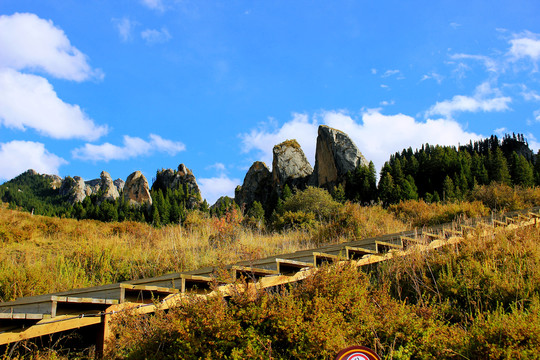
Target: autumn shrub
498,196
226,228
305,210
354,222
316,201
418,213
298,220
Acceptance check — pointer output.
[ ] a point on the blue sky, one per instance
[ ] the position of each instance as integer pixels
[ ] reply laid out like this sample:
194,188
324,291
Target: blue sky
129,85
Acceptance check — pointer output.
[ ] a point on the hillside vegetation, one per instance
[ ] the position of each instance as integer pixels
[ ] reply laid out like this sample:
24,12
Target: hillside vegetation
479,300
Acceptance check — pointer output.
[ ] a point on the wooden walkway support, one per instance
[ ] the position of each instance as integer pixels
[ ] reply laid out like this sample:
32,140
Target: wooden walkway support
36,316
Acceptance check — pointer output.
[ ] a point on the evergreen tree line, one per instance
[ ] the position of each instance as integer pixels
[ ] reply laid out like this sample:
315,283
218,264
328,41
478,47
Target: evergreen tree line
436,173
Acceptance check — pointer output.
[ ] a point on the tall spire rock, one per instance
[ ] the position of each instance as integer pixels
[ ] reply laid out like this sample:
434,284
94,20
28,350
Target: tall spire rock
107,186
289,166
336,154
137,190
256,187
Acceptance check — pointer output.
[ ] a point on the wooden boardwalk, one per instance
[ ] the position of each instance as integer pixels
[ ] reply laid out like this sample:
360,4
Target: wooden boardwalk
36,316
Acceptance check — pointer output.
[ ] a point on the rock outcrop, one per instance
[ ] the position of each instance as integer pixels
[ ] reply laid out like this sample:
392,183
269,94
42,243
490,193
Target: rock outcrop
336,155
181,178
137,190
119,183
107,187
73,188
78,189
257,186
289,166
56,181
92,186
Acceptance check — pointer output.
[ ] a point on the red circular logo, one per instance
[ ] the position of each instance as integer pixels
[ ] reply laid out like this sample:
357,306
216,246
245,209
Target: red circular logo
357,353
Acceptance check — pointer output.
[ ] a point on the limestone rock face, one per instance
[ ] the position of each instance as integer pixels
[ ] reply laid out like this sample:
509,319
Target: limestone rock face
110,192
289,166
74,188
137,190
257,186
56,181
183,177
336,155
119,183
92,186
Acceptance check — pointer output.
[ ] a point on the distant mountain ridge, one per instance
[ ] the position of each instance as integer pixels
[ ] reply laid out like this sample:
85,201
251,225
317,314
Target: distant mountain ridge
432,173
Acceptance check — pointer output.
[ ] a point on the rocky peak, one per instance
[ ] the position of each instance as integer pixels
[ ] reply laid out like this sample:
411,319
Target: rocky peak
256,187
74,188
289,165
110,192
183,177
336,154
137,190
30,172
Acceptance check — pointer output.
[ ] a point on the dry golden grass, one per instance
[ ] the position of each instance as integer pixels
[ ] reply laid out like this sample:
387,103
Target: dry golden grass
41,254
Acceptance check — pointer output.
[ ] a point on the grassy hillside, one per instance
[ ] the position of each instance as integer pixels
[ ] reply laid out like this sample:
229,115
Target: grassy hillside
40,254
443,304
480,300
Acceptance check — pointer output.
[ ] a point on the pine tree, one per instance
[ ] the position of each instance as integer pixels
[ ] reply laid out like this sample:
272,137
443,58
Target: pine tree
338,193
156,220
498,167
387,189
256,211
522,171
448,189
286,193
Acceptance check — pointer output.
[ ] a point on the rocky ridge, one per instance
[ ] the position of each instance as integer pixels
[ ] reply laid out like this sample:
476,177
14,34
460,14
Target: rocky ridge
336,155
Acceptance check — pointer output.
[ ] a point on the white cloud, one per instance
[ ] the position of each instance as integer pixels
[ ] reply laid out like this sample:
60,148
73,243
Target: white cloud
433,75
490,64
18,156
376,135
132,147
529,95
525,45
500,131
125,28
374,71
389,73
263,141
153,36
218,166
537,115
215,187
386,103
164,145
455,25
29,101
484,99
533,143
31,43
154,4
